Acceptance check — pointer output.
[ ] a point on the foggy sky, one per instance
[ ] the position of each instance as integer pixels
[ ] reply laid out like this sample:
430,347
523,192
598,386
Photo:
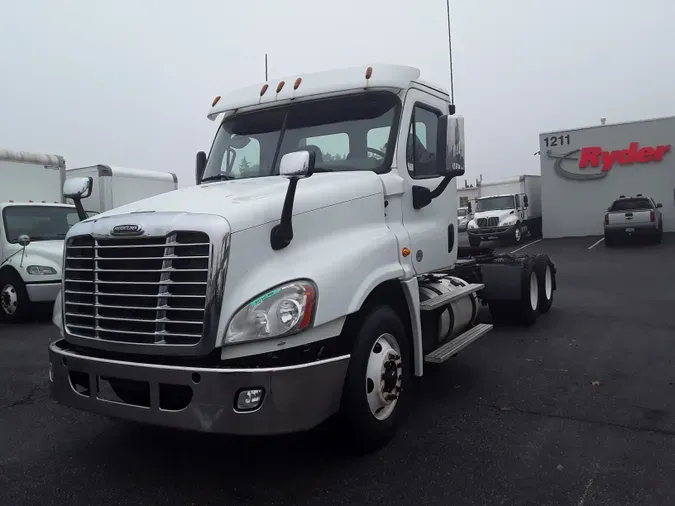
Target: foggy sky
129,82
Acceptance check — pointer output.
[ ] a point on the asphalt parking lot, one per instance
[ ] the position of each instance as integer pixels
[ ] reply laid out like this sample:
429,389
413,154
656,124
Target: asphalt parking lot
577,410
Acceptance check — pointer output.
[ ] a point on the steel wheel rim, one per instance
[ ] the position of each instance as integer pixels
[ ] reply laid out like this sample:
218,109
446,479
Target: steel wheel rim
384,373
9,299
534,291
517,233
548,283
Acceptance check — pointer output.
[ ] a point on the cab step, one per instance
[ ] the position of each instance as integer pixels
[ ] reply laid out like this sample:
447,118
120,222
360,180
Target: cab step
447,298
443,353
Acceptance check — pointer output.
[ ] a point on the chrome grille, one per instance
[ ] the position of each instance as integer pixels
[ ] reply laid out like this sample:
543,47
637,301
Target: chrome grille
149,290
487,222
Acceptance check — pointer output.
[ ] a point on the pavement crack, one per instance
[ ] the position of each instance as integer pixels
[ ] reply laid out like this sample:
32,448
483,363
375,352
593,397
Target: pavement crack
29,398
636,428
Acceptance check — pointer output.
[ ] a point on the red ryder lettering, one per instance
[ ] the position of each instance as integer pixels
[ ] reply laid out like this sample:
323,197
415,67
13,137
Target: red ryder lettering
634,154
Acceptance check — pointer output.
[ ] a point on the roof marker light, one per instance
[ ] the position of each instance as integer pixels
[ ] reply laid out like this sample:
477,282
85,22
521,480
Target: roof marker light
264,89
280,86
215,101
369,72
297,83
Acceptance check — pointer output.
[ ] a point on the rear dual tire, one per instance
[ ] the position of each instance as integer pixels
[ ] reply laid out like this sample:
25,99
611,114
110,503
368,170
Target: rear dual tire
537,286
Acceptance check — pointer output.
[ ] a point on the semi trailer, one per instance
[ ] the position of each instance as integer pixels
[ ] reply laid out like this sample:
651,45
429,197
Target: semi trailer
312,285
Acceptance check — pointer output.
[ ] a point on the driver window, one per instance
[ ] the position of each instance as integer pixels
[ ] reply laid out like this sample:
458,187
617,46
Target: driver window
332,147
421,146
517,201
242,161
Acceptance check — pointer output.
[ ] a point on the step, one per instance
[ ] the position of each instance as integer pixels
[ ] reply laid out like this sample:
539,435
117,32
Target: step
447,298
460,342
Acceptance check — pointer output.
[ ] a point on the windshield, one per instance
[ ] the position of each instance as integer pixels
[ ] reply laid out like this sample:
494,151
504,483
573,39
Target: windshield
40,223
494,203
461,212
631,205
355,132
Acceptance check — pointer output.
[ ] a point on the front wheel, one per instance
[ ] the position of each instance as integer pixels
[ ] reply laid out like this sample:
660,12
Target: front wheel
517,234
374,395
15,306
474,241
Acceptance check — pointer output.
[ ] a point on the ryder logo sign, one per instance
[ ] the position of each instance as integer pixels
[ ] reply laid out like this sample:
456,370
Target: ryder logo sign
594,157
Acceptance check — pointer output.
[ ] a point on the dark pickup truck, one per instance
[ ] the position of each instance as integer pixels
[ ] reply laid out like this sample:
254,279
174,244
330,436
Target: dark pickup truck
633,216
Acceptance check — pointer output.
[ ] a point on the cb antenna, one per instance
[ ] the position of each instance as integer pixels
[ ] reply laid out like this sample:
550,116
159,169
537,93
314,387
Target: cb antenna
266,67
452,83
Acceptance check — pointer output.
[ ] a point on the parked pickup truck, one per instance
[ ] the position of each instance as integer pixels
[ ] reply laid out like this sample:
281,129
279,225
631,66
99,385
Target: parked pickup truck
633,216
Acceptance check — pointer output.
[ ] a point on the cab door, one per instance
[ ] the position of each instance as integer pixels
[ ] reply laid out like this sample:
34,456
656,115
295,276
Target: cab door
433,228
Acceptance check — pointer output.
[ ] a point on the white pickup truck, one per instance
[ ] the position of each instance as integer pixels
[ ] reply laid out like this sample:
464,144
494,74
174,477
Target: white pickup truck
313,284
637,216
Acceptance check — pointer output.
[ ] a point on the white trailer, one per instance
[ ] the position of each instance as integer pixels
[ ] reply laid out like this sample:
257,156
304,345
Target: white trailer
115,186
506,209
34,222
311,286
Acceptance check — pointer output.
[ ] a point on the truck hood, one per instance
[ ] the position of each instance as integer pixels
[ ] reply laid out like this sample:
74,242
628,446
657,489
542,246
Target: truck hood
46,253
501,214
247,203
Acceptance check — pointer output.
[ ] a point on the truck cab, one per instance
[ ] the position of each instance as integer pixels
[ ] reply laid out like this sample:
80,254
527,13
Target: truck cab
312,270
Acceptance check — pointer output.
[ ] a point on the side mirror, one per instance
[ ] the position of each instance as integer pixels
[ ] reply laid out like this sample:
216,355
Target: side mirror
450,146
526,202
297,164
200,166
23,240
294,166
77,187
659,205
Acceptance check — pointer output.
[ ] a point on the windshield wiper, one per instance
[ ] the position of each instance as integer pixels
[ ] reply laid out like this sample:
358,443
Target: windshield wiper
218,177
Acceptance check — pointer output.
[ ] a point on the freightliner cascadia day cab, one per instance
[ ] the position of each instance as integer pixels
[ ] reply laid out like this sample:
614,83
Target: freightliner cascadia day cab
312,271
34,221
115,186
507,210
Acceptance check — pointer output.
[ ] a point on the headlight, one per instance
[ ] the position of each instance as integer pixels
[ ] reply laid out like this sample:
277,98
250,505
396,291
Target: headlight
40,270
282,311
509,220
471,224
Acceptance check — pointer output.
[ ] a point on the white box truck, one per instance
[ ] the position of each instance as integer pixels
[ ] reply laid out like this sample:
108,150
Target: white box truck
506,210
313,285
34,221
115,186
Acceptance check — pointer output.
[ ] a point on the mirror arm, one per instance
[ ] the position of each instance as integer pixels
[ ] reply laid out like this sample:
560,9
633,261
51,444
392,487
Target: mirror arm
436,192
282,233
79,208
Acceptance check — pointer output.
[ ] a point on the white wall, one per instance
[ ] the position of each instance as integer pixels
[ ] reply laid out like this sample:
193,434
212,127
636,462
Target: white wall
577,207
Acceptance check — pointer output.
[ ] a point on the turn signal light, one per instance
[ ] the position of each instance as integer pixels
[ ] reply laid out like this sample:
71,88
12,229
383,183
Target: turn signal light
652,216
607,219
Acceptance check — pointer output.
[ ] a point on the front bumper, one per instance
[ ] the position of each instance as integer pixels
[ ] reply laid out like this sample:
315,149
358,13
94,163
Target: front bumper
295,398
43,292
488,233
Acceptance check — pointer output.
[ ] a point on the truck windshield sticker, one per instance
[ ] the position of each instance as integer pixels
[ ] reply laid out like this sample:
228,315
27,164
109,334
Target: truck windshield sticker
263,298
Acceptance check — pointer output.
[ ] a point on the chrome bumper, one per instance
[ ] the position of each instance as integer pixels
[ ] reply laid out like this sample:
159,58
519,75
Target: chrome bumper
295,398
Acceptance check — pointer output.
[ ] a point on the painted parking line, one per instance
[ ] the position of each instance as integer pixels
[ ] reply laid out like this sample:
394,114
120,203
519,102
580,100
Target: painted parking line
596,243
528,244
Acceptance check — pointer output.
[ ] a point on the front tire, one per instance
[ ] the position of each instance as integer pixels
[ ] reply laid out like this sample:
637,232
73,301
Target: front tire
375,390
546,278
15,306
474,241
517,236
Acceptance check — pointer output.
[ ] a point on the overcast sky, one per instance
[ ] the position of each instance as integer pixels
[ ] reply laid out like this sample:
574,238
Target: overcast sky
129,82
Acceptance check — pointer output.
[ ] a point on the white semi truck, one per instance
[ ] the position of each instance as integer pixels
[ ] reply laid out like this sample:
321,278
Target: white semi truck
115,186
506,210
313,284
34,220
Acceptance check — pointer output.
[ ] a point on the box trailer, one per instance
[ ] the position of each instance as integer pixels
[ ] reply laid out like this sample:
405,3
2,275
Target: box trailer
507,209
115,186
